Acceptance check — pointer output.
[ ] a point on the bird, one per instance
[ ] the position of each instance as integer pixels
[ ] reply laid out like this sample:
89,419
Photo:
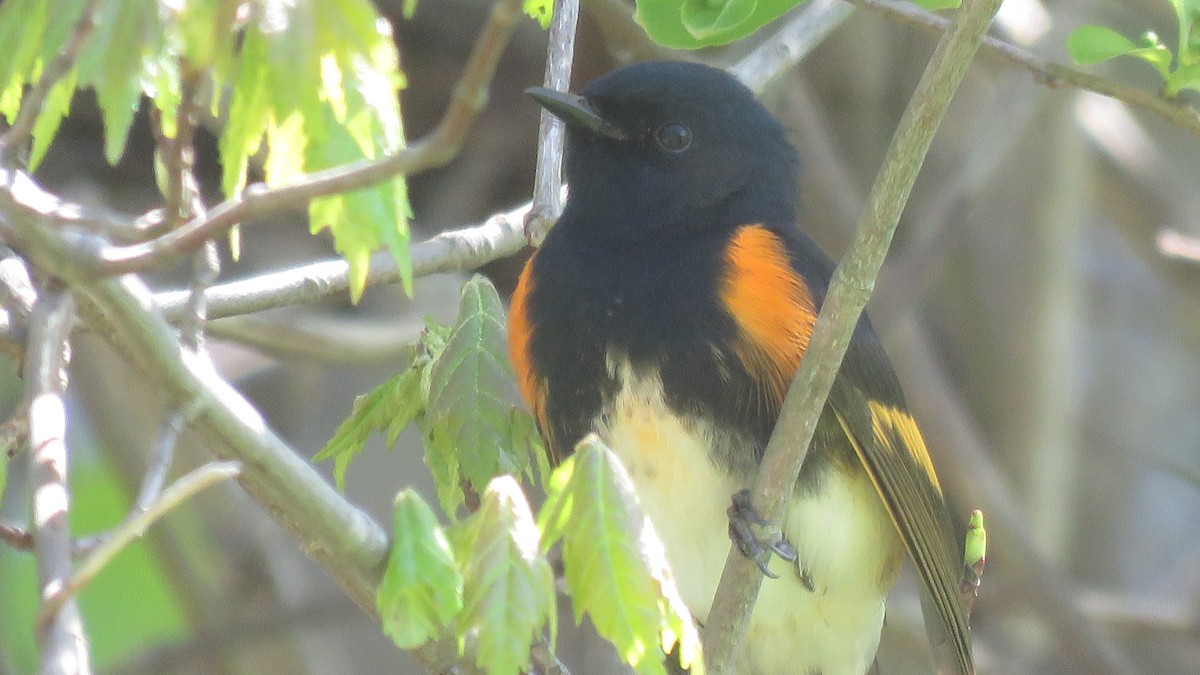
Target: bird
667,311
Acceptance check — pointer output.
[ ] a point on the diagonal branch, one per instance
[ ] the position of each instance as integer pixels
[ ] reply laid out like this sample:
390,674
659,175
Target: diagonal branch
1047,72
848,293
134,526
258,200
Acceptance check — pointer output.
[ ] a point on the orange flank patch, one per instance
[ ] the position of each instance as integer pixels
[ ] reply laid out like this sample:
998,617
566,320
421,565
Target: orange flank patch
773,308
532,387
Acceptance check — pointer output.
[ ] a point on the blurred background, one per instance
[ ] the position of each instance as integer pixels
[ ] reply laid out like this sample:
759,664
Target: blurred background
1049,348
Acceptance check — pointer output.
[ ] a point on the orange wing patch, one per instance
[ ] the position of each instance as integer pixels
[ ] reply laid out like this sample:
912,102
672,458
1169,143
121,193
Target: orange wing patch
532,387
773,307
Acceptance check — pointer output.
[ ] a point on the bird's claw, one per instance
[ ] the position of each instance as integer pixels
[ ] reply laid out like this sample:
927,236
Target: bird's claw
742,515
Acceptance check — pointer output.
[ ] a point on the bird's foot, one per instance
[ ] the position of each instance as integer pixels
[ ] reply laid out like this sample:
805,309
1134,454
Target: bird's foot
742,516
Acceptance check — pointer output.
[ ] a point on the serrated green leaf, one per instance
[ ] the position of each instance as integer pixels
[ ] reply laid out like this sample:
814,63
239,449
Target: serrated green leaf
692,24
390,406
22,25
508,587
541,11
471,388
614,563
528,447
421,590
58,104
111,63
249,113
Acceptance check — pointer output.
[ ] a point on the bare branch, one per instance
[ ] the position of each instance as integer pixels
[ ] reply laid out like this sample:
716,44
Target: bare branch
258,200
791,42
323,340
848,294
62,643
160,460
1049,73
547,183
133,527
13,140
498,237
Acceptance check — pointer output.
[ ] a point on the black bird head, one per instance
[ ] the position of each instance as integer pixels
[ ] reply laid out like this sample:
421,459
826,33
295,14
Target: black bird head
665,147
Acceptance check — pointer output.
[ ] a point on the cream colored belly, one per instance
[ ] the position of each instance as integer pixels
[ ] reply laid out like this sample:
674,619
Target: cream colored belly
841,534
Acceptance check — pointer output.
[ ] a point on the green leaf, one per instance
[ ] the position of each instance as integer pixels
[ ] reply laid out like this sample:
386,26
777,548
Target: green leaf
508,587
391,406
615,566
111,63
692,24
528,446
421,591
22,26
1092,44
321,79
58,104
471,390
541,10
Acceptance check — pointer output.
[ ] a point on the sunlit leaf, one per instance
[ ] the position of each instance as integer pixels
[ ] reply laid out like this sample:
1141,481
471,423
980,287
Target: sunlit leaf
472,391
508,587
614,563
421,590
540,10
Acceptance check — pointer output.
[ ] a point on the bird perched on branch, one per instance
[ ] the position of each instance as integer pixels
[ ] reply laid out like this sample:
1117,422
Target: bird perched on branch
668,310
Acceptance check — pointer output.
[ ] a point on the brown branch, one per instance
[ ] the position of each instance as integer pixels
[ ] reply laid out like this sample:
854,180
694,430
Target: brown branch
851,287
439,147
34,100
62,643
1047,72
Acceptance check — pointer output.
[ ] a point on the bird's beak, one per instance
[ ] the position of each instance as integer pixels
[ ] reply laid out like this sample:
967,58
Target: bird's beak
574,111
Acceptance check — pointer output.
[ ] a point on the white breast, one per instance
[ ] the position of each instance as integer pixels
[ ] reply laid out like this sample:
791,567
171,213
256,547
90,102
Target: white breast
840,533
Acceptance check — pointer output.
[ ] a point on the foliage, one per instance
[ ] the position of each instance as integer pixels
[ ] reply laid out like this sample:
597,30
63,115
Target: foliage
317,79
508,587
615,566
460,391
422,590
1179,70
692,24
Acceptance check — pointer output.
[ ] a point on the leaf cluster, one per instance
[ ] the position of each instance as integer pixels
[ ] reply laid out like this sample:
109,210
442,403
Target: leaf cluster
485,579
316,79
1179,70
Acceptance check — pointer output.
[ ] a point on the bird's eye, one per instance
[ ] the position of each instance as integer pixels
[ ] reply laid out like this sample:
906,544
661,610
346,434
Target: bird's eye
673,137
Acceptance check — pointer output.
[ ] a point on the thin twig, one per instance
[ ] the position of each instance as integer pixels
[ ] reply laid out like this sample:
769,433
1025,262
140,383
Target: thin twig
160,459
61,640
439,147
498,237
15,138
1049,73
547,182
791,42
134,526
625,40
848,294
16,537
323,339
